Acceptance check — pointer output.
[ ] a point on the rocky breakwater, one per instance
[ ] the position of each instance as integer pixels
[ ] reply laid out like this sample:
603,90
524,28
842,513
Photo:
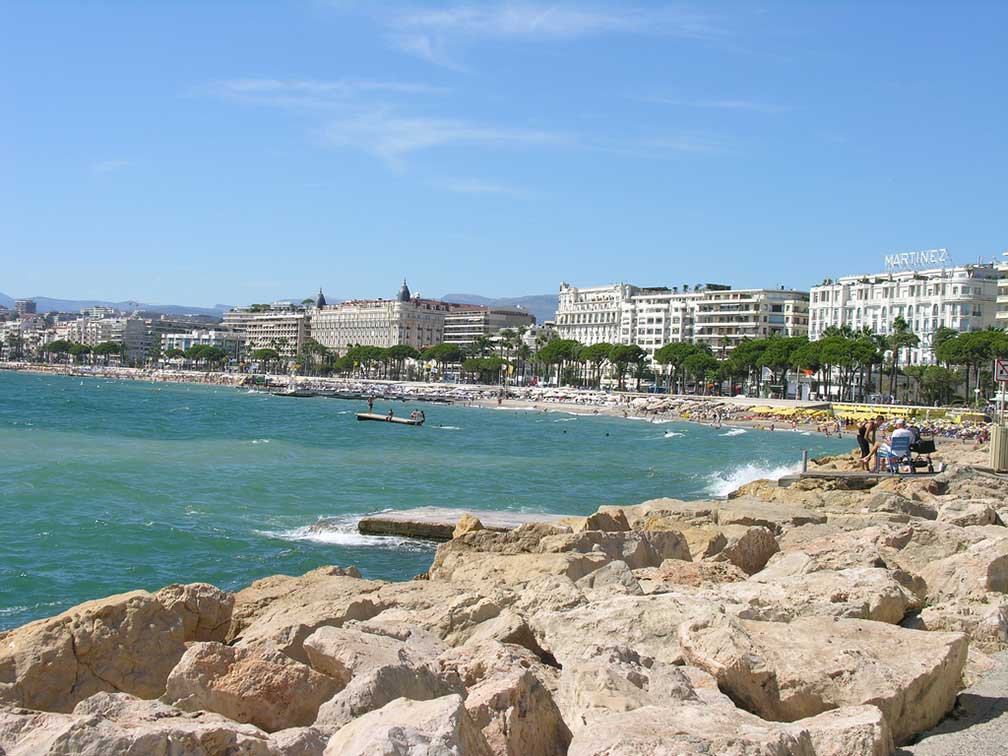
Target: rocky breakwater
812,621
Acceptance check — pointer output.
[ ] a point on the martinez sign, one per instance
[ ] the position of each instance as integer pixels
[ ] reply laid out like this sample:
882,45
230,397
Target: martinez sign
926,258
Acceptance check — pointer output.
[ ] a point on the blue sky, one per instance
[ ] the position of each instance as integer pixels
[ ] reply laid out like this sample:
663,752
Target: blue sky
205,152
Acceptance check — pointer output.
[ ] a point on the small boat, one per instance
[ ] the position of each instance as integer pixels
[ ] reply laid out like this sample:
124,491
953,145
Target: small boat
386,419
294,392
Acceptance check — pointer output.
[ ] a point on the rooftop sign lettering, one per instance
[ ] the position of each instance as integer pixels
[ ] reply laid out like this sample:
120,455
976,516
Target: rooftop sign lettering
926,258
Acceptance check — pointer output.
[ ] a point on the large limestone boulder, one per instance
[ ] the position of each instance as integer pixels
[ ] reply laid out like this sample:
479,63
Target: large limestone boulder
776,517
310,602
702,542
674,574
916,545
789,671
615,578
127,643
985,621
973,573
205,610
437,727
461,566
617,678
553,593
532,552
848,731
375,664
299,741
687,729
646,624
609,520
748,548
256,685
826,547
325,584
669,514
449,611
347,652
900,508
508,699
858,593
467,524
116,723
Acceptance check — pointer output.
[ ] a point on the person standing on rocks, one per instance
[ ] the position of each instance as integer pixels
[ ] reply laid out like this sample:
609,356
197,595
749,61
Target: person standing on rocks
866,440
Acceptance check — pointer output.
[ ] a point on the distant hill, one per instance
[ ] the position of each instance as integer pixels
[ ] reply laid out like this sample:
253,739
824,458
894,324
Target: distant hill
48,304
543,306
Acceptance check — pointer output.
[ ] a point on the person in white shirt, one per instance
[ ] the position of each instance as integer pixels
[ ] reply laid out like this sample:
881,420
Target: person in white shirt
901,431
885,448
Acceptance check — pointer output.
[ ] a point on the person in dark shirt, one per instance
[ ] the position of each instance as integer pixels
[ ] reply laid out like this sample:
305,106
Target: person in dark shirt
866,433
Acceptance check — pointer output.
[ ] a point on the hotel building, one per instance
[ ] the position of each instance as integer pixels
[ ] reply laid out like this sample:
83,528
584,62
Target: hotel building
134,333
715,315
282,326
1002,298
420,323
463,324
593,314
232,342
25,307
962,298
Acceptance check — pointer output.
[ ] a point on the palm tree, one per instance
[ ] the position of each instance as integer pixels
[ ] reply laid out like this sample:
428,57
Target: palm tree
902,338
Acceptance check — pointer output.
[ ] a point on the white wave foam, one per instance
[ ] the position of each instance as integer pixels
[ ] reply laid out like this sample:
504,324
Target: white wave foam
651,420
260,440
342,531
673,434
734,432
446,427
723,483
564,419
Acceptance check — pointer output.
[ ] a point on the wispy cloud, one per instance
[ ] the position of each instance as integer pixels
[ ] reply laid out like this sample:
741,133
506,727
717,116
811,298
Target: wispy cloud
479,186
392,136
109,166
756,106
312,93
557,20
431,33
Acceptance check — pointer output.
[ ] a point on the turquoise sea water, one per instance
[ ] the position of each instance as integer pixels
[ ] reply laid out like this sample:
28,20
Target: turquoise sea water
107,486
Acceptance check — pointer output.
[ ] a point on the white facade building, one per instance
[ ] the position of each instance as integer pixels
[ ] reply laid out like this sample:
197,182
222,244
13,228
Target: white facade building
962,298
715,315
282,326
409,320
1002,298
231,342
723,318
465,323
133,332
593,314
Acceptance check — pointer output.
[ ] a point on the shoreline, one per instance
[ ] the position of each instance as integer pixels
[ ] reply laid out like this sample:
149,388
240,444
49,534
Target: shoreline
657,408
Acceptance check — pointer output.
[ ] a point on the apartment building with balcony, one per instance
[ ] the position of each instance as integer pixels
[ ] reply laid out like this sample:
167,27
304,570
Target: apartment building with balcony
464,323
232,342
1002,294
724,317
963,298
651,317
